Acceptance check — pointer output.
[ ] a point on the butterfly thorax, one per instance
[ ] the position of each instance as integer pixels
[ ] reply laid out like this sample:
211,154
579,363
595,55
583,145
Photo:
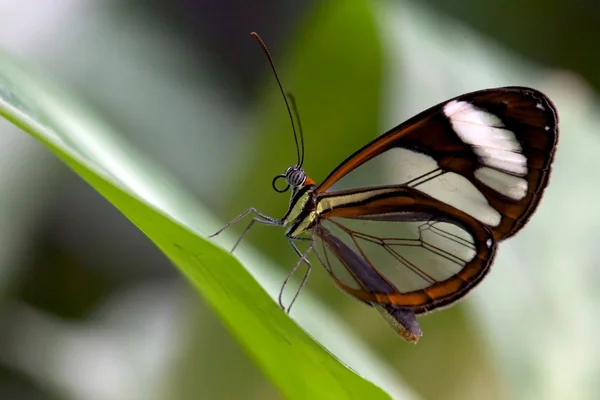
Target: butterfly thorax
301,212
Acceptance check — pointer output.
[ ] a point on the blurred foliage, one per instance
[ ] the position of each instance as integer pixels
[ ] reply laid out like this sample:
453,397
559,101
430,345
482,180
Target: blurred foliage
559,33
21,386
180,80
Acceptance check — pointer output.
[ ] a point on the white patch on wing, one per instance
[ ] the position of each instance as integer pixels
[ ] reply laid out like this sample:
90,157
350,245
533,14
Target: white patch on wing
496,146
515,163
508,185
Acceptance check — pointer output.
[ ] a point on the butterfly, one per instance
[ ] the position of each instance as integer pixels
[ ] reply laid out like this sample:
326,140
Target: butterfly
410,223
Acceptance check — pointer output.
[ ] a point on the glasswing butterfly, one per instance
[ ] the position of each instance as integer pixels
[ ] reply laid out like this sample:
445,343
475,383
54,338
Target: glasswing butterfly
442,190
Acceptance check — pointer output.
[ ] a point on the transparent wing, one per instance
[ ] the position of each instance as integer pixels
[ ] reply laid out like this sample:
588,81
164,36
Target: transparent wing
487,153
419,259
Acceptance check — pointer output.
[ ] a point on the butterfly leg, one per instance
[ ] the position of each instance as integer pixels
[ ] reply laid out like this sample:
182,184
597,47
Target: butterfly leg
260,218
304,278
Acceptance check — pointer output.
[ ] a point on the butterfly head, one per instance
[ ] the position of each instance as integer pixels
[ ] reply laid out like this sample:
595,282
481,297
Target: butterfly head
295,178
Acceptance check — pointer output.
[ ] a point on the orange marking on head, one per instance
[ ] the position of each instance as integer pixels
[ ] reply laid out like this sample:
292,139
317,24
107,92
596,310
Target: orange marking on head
309,181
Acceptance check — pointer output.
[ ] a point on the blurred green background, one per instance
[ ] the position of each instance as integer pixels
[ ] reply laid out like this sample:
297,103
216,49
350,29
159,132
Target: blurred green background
91,309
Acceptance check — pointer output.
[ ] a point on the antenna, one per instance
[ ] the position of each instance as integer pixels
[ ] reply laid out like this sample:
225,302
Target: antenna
295,109
287,105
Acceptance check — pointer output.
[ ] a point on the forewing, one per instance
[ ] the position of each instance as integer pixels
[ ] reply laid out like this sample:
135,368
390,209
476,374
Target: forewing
487,153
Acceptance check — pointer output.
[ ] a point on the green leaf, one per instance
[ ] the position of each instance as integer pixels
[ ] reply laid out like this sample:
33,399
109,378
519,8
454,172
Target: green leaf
150,199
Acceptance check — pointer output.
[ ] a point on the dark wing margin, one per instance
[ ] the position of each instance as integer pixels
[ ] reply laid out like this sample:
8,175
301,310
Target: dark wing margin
500,142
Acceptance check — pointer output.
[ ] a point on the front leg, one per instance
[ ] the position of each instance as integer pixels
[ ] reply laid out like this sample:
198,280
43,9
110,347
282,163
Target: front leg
260,218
